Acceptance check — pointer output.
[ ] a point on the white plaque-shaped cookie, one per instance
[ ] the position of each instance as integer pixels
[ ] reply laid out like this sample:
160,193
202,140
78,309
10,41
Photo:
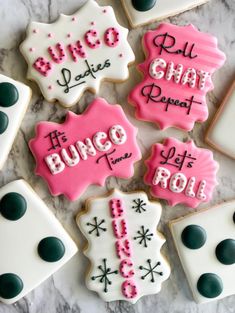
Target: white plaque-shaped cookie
123,246
77,52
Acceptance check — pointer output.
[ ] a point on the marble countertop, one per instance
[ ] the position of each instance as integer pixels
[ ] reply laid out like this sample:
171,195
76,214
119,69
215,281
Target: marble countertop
65,292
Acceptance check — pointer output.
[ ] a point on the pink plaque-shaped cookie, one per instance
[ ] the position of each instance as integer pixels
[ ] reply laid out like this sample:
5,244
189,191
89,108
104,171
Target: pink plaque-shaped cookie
177,75
85,149
181,173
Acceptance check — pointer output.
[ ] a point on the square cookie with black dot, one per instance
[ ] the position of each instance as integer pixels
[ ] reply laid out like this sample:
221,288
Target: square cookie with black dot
14,100
33,243
205,242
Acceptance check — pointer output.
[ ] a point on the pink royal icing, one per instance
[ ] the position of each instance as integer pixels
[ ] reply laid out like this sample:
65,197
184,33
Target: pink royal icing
85,149
181,173
177,75
123,249
91,39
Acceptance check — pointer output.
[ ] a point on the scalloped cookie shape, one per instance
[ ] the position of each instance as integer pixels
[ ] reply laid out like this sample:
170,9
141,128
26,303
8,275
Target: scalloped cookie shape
176,76
85,149
123,246
77,52
205,243
33,243
181,173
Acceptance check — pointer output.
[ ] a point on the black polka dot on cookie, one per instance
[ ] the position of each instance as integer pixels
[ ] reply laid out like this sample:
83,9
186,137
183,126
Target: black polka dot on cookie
11,285
9,94
210,285
3,122
225,251
234,218
143,5
13,206
51,249
193,236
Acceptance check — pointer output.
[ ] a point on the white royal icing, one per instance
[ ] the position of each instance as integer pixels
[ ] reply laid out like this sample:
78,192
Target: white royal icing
222,130
89,39
119,245
162,9
19,240
15,115
219,225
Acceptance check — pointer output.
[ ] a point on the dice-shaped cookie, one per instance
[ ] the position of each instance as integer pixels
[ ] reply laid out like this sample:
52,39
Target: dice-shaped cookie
33,243
14,100
205,242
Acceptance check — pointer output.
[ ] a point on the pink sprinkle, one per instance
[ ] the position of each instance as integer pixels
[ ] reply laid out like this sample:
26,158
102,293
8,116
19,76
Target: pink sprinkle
31,49
50,35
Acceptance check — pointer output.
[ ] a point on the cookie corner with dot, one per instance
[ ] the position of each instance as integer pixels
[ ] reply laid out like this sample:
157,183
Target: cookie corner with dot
142,12
14,100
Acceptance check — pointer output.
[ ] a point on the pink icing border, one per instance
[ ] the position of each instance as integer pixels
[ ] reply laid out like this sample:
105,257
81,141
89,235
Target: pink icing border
73,181
204,168
175,117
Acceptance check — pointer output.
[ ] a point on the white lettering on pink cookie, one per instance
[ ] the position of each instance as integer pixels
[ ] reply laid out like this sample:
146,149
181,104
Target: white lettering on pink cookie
181,173
192,77
178,183
178,69
85,149
56,162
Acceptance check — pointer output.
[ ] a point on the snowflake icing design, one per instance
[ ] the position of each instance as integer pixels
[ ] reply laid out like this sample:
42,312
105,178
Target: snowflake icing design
139,206
96,226
144,235
150,270
104,276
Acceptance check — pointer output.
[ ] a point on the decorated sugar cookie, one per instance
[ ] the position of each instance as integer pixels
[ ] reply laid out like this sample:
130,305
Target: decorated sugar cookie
77,52
14,100
177,76
219,133
181,173
85,149
142,12
123,246
32,241
205,242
